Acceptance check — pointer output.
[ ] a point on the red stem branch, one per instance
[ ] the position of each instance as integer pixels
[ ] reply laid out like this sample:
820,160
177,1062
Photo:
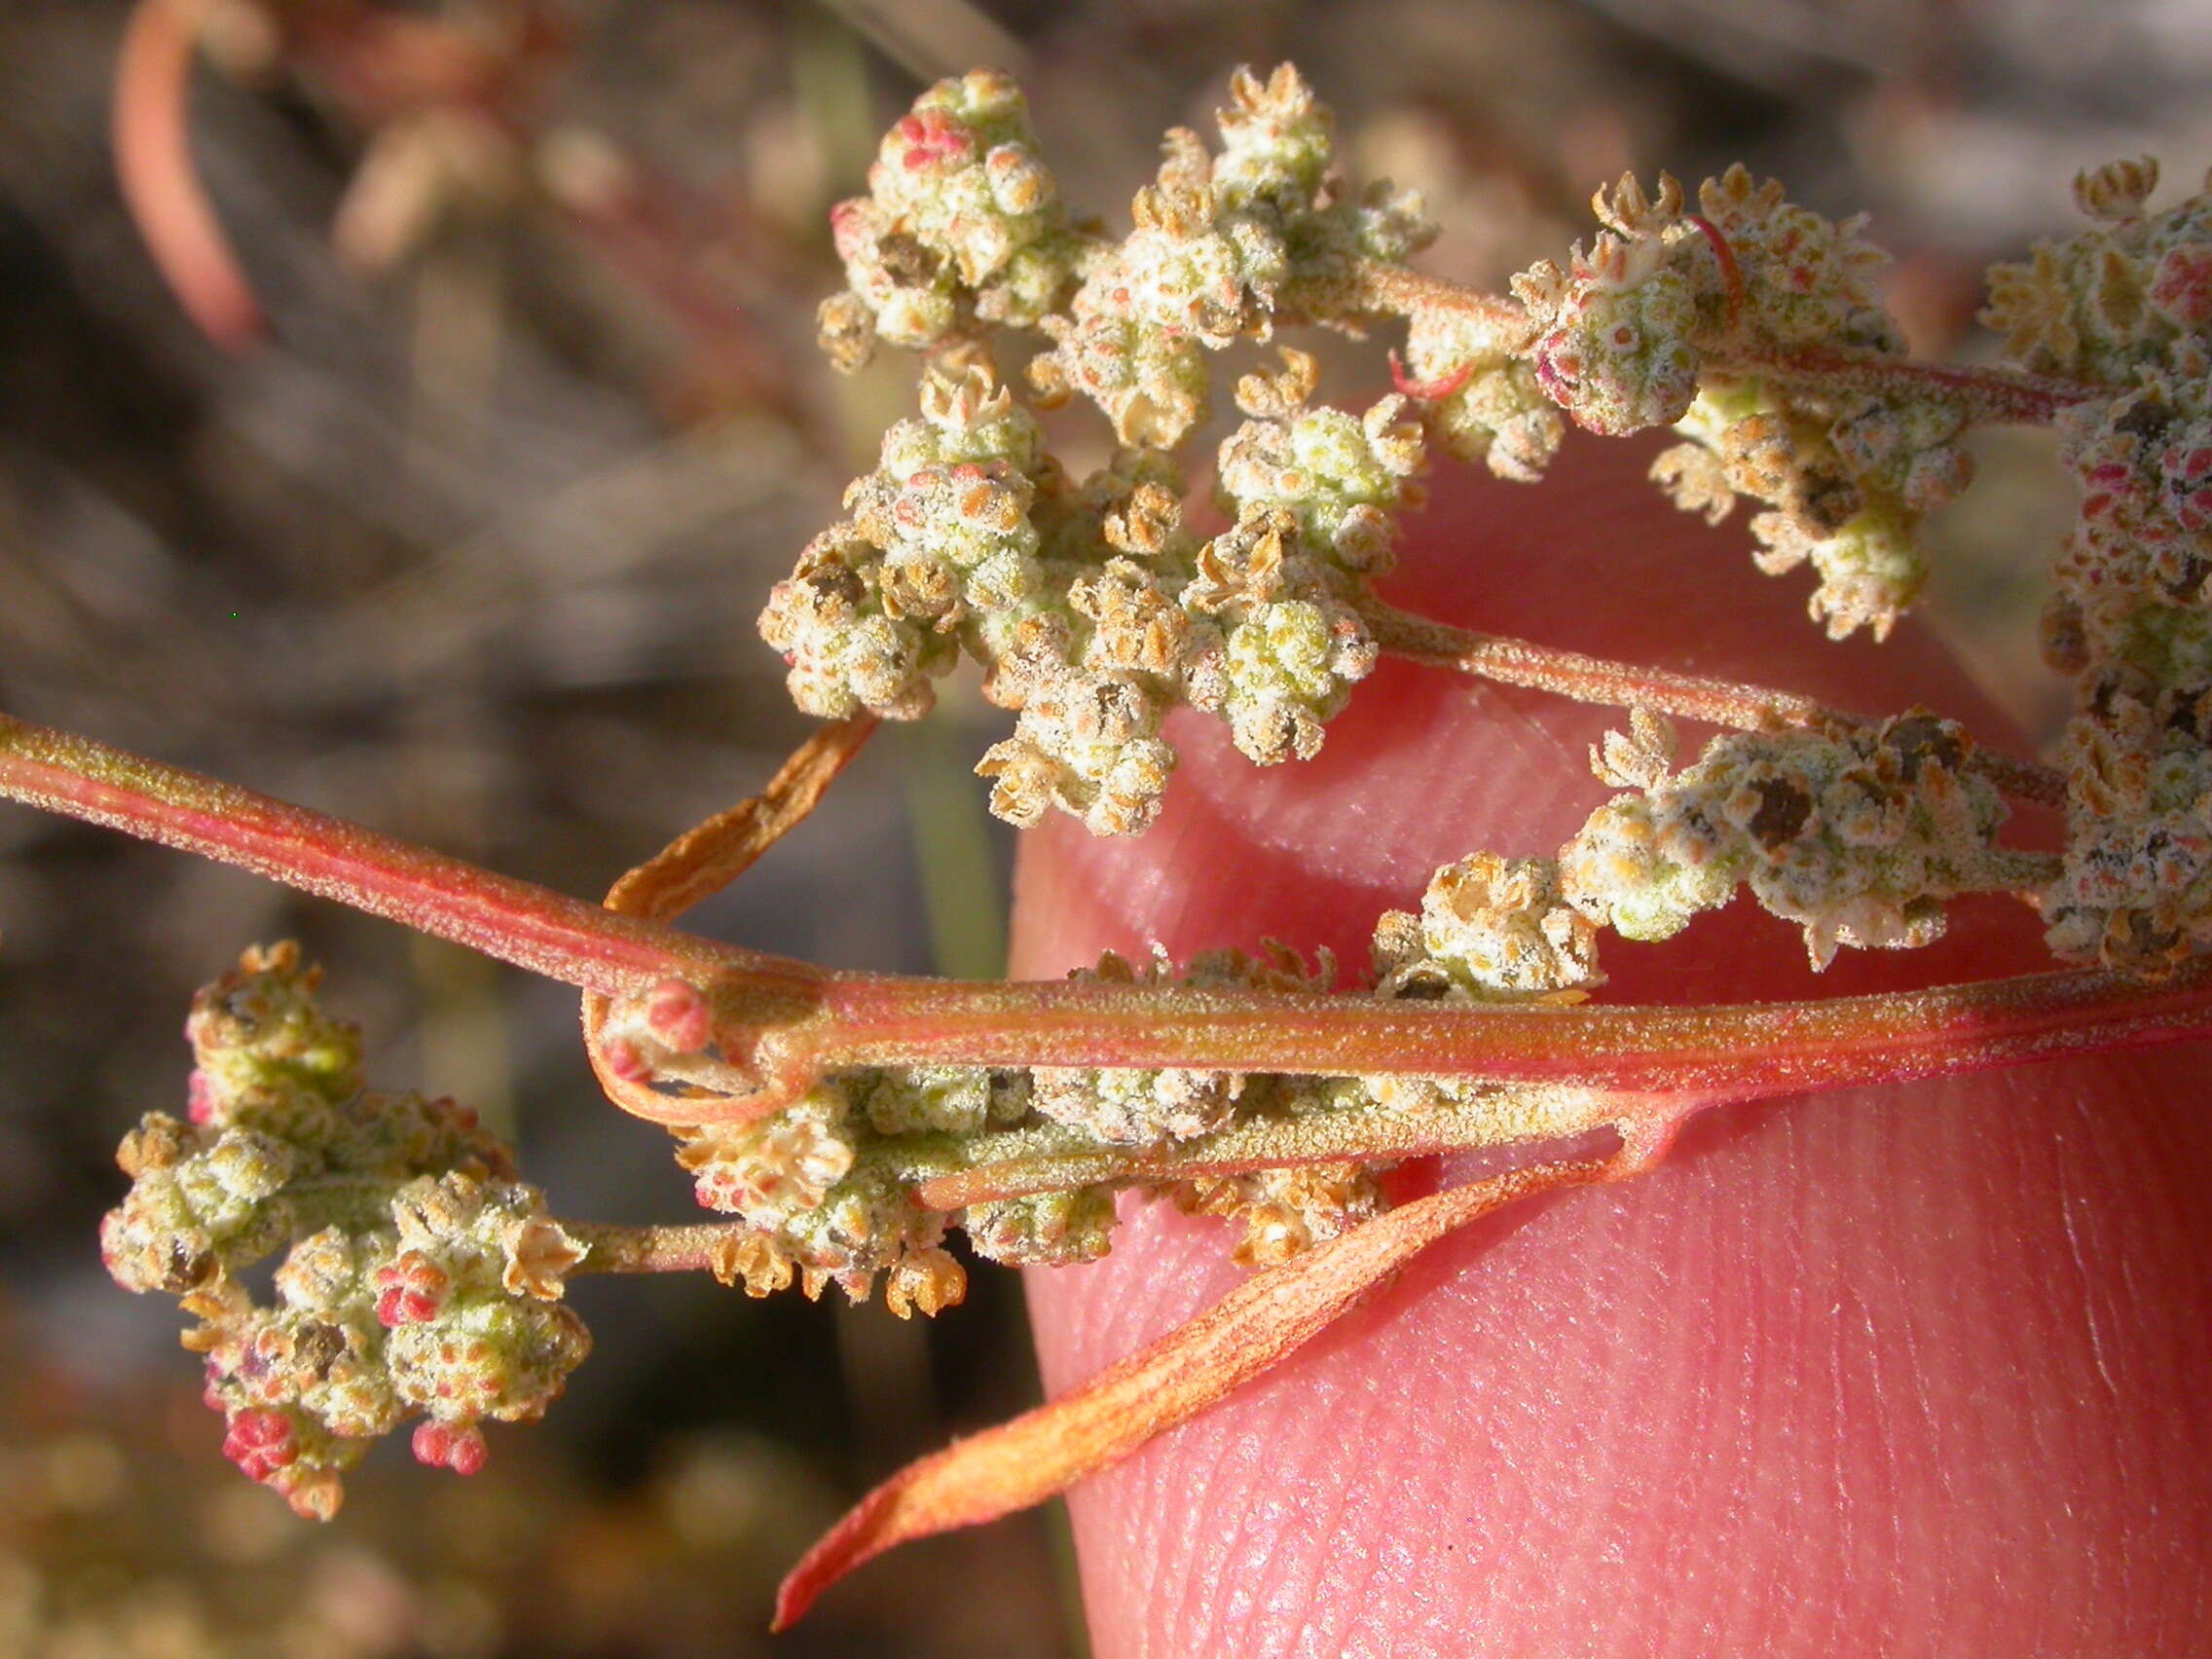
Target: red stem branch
1625,685
789,1023
153,159
1988,394
516,921
1733,1051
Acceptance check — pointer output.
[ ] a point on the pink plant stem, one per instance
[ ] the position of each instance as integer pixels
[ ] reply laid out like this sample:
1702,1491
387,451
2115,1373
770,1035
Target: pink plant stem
1588,678
1398,290
1736,1051
789,1023
1987,394
152,158
1623,685
516,921
615,1247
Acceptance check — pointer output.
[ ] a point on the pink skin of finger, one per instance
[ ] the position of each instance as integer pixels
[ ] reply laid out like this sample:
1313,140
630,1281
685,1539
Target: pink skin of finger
1913,1370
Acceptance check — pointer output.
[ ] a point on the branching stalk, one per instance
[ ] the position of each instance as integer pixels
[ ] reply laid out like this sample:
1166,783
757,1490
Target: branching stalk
616,1247
1398,290
515,921
789,1023
2011,397
1742,1051
1627,685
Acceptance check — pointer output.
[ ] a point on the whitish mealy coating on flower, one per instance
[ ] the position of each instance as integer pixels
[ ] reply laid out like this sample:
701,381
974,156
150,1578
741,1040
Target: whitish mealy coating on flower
1340,477
1315,493
1224,248
1092,610
1859,836
1287,646
1051,1230
2127,304
1489,928
962,221
1126,1106
938,552
1130,1106
1092,685
819,1205
420,1275
1616,350
916,1100
1847,482
2132,622
1481,395
1690,320
777,1168
1286,1211
2119,297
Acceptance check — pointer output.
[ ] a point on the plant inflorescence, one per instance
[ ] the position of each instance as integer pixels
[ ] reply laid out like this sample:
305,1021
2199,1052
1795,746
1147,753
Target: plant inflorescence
846,1125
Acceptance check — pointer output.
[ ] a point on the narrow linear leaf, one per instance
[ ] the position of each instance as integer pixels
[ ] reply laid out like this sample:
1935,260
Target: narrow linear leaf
703,860
1043,1452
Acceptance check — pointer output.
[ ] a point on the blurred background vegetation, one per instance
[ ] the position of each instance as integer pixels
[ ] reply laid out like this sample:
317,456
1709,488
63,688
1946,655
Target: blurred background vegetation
466,543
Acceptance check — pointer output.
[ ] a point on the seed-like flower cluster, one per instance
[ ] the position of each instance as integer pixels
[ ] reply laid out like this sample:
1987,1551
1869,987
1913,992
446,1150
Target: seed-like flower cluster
2132,620
1049,1230
963,222
1846,492
1286,1211
1697,321
1480,394
1150,1108
818,1207
1092,610
1489,929
420,1275
2128,304
1858,835
2115,298
1225,248
939,552
1622,333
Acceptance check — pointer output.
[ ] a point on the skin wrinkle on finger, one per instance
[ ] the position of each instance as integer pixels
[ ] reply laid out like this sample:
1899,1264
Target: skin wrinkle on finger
1823,1383
2016,1478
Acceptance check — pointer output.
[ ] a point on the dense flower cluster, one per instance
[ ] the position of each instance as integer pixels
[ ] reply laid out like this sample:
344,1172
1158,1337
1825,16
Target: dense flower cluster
1224,248
1489,929
1858,835
818,1207
962,223
1480,394
1708,321
2128,304
2118,297
1091,608
420,1276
